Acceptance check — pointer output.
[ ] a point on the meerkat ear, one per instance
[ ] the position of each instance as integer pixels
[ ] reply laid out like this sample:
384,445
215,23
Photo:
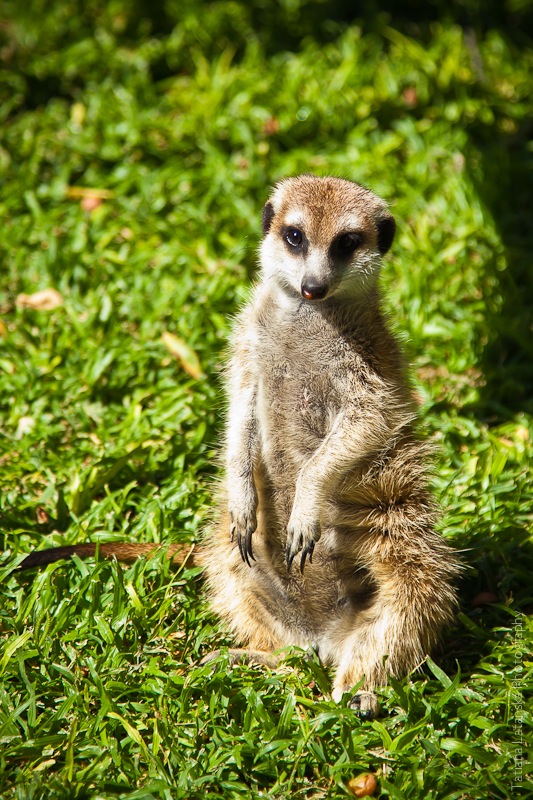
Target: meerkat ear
268,216
386,230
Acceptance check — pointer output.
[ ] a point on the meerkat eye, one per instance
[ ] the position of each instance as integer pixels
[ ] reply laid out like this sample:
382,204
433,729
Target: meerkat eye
346,244
294,237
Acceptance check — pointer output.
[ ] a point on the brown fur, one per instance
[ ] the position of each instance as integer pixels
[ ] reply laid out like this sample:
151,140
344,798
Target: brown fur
321,458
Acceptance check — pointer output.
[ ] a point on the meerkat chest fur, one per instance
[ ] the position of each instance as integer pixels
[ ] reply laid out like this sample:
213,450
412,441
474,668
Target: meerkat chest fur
299,393
314,364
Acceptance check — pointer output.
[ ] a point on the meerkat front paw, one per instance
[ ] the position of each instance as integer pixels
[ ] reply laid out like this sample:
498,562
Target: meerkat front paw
302,534
243,525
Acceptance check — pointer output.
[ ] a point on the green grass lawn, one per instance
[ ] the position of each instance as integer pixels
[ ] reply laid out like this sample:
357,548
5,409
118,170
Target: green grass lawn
178,117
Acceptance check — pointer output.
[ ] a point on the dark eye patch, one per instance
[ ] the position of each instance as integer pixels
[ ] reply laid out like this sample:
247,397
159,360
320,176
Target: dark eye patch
346,244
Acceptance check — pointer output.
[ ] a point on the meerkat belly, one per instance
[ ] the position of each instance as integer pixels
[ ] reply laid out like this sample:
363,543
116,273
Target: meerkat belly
308,607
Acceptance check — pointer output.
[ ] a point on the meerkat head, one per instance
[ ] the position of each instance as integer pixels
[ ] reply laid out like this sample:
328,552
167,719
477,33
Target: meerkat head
324,238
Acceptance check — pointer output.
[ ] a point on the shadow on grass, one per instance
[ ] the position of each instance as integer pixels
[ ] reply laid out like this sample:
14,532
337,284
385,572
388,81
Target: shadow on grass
501,168
220,25
504,180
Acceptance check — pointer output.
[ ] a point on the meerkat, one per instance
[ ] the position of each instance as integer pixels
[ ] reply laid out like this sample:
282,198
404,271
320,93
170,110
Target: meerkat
325,533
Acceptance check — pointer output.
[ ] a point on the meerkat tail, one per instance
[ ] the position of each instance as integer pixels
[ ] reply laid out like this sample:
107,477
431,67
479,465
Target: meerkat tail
126,552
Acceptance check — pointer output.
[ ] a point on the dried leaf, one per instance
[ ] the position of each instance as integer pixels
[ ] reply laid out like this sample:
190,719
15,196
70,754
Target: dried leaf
184,354
79,192
410,96
77,115
45,300
25,425
271,126
42,515
49,762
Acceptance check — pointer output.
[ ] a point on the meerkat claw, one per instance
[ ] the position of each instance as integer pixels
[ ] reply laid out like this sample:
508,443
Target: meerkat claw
292,551
245,546
307,552
242,550
248,543
288,557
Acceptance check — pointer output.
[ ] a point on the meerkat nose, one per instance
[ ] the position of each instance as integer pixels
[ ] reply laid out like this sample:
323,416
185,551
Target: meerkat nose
314,291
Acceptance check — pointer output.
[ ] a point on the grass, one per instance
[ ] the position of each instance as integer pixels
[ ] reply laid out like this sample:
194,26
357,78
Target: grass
179,118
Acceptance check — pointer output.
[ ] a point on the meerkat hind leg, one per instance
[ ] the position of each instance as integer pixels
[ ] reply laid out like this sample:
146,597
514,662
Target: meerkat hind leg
365,704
